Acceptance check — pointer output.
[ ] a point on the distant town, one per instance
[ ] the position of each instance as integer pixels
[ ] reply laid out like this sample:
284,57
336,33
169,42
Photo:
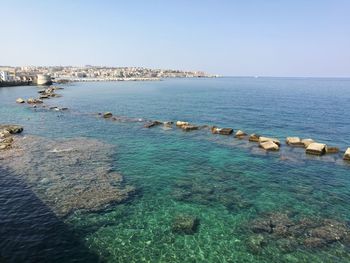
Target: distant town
12,76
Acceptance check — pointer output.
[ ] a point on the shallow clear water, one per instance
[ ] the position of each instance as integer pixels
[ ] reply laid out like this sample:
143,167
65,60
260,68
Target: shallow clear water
224,182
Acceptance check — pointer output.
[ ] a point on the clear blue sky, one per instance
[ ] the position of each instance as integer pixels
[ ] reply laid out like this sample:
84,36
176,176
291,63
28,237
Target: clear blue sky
245,37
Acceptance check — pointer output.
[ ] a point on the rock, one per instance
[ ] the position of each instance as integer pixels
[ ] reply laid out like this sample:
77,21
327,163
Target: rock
20,100
11,128
6,140
185,224
269,146
254,137
189,127
316,148
4,133
331,149
168,123
240,134
152,124
347,155
107,115
267,139
44,96
307,142
181,123
34,101
294,141
222,131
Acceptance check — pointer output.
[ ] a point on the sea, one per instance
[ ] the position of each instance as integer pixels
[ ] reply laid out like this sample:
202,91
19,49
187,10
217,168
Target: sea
238,202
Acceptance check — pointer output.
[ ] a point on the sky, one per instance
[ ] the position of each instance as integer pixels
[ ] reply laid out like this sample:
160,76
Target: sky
301,38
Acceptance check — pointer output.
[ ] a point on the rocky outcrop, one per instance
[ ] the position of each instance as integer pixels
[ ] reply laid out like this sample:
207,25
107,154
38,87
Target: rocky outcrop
20,100
294,141
240,134
267,139
316,148
269,146
185,224
347,155
254,137
6,139
222,131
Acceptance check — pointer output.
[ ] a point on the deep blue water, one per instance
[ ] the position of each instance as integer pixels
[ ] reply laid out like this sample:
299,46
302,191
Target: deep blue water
224,182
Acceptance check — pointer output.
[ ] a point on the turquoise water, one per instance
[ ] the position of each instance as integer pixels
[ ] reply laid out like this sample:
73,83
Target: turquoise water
224,182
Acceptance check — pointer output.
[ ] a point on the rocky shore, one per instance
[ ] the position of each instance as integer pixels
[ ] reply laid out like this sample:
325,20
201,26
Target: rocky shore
68,175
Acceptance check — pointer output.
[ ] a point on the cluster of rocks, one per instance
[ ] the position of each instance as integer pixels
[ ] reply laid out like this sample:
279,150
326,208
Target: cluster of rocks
288,234
44,94
6,135
109,116
67,175
185,224
266,143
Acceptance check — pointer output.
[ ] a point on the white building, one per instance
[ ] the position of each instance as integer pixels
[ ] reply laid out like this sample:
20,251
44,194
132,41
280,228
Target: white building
4,76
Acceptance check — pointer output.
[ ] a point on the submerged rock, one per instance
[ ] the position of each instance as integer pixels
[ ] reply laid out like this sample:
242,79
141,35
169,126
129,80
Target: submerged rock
255,243
316,148
80,178
347,155
185,224
34,101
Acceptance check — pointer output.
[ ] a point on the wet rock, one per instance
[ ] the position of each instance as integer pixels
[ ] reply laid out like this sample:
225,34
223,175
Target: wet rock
185,224
346,156
255,243
34,101
152,124
222,131
20,100
254,137
316,148
107,115
189,127
294,141
331,149
11,128
181,123
267,139
269,146
307,142
240,134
